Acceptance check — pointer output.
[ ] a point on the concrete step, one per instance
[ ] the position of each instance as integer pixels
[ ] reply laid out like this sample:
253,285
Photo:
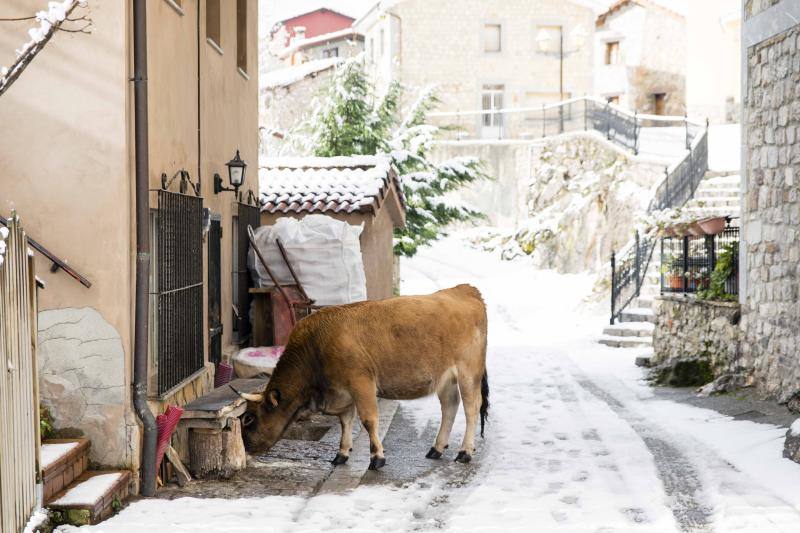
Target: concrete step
726,201
63,460
729,180
625,342
92,497
709,192
637,314
630,329
645,301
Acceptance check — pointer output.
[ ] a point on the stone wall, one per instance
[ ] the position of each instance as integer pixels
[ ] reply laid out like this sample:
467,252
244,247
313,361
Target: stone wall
771,214
691,329
565,202
82,383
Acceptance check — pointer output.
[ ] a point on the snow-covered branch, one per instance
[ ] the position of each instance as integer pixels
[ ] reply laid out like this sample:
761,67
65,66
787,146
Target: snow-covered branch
48,23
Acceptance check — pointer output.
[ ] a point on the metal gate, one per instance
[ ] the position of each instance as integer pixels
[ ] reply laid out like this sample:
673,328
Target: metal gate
179,288
19,398
249,215
215,291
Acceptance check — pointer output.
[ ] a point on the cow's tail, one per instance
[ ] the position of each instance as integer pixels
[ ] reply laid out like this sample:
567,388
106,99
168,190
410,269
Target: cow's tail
484,400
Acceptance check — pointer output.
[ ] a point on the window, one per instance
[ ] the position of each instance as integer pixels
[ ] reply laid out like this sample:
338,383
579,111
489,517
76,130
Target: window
241,34
613,100
492,37
612,53
212,22
330,52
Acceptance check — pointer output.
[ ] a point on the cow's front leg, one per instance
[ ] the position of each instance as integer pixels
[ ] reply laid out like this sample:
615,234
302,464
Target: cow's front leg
366,401
346,443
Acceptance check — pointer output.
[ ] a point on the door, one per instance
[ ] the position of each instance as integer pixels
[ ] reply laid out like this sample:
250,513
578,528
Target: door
215,290
660,103
492,123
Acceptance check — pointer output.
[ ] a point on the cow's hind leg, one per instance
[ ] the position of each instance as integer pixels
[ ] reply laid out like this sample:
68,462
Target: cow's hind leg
366,400
346,443
470,387
449,398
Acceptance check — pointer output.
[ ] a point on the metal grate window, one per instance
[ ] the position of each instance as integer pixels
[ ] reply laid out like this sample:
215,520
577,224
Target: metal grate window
248,215
178,288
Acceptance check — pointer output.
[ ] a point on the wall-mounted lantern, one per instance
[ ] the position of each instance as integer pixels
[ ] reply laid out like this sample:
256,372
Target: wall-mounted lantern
236,174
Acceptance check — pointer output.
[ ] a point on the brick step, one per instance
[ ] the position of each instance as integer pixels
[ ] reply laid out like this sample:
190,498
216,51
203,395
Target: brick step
63,460
92,497
625,342
630,329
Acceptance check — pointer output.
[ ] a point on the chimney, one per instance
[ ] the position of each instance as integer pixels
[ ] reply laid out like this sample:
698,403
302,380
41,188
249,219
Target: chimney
299,33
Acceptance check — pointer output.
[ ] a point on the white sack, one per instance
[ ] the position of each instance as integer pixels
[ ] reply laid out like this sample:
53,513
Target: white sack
325,254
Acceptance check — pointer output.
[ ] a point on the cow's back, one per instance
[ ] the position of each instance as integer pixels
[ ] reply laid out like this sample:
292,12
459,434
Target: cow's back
406,342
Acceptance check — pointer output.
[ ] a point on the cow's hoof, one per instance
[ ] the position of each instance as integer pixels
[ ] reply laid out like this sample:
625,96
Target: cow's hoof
340,459
433,453
463,457
376,463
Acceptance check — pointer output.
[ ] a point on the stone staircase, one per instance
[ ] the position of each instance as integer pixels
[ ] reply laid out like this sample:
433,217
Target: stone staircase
81,496
717,194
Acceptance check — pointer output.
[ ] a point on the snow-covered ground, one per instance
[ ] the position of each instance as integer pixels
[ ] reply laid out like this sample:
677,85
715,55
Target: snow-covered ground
576,442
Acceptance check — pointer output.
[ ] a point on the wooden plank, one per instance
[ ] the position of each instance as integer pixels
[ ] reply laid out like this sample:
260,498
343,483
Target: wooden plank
222,401
181,472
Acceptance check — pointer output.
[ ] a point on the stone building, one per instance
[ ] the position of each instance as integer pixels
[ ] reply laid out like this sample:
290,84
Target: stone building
74,189
481,55
640,57
770,258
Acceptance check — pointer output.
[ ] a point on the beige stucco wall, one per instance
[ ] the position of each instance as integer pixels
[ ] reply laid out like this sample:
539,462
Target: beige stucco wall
442,43
713,75
228,115
64,167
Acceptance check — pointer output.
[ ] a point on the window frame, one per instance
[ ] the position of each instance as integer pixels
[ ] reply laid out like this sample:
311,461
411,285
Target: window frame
242,37
500,44
215,43
613,53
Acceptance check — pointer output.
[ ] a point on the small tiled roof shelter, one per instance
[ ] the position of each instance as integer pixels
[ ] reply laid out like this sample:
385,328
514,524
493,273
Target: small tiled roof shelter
358,189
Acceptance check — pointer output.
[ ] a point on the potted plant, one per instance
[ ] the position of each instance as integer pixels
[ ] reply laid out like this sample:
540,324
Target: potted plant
673,273
694,229
714,225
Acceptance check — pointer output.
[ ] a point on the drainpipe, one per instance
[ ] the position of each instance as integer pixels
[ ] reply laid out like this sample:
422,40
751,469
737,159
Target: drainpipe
148,474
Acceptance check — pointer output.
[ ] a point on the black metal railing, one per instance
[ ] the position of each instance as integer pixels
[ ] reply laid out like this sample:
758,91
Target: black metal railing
680,183
688,262
628,273
249,215
178,287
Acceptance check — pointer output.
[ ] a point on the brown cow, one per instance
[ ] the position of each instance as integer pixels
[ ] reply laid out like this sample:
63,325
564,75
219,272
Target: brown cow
342,359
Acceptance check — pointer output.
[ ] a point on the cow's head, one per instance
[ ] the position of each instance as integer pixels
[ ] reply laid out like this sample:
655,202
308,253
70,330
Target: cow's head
267,417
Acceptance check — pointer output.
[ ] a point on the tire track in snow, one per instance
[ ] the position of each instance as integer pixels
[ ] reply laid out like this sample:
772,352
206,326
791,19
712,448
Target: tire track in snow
681,481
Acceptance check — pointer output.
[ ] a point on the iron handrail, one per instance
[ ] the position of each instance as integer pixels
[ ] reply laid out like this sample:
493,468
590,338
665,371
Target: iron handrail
677,188
57,263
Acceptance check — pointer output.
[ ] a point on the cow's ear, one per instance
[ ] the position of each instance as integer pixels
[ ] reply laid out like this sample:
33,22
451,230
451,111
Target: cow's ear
274,397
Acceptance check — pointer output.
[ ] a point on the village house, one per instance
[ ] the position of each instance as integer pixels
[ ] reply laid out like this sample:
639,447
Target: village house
76,104
640,57
319,34
770,249
483,55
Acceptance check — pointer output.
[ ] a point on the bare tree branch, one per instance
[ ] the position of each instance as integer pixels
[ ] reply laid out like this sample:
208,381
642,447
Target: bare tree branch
30,49
17,19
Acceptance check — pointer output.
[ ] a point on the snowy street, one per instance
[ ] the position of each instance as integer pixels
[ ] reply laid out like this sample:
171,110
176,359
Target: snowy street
576,441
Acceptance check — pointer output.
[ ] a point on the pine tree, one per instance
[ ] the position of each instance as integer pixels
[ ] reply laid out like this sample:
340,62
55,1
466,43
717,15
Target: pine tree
349,119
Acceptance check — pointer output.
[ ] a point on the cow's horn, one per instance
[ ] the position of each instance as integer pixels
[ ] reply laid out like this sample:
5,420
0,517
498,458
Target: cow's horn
248,396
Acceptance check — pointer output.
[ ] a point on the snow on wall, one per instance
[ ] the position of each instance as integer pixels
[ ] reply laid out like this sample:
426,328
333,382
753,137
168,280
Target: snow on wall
3,236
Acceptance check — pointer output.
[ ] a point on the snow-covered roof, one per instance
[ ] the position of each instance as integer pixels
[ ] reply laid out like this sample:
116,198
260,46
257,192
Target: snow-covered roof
289,75
673,7
299,44
326,184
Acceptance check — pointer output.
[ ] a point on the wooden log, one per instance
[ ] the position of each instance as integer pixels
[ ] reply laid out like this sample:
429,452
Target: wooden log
217,453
